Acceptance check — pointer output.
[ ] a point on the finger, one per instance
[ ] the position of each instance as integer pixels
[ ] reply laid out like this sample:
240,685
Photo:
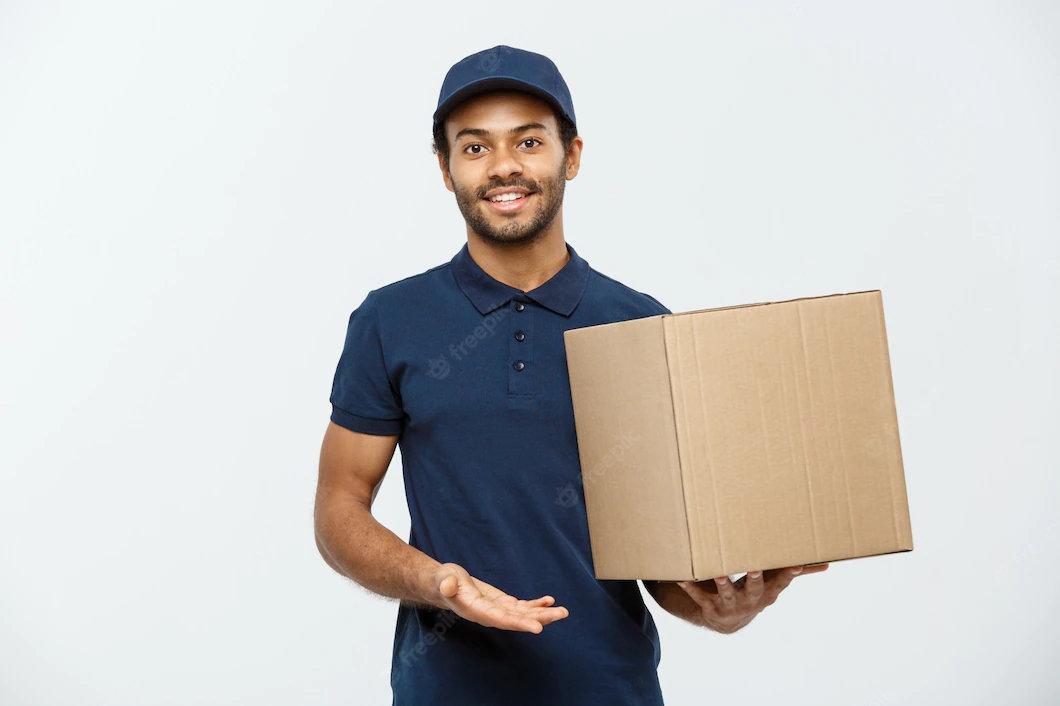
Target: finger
520,615
487,613
532,608
487,605
726,592
513,621
704,593
783,578
754,586
542,615
699,592
519,606
542,601
546,616
541,609
495,594
696,591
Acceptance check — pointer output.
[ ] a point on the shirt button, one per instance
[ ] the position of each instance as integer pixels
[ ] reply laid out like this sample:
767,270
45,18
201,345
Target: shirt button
518,365
519,306
519,335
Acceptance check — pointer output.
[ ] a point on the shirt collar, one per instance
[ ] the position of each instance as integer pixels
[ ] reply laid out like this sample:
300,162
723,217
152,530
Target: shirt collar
561,293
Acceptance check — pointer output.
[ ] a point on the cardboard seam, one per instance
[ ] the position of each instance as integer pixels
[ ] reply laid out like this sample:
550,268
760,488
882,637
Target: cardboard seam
710,457
802,429
894,411
839,421
677,437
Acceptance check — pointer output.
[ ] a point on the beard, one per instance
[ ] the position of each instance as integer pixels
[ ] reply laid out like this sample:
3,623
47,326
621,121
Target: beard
523,227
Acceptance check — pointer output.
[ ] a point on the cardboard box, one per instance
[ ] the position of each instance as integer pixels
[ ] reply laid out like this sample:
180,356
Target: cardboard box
720,441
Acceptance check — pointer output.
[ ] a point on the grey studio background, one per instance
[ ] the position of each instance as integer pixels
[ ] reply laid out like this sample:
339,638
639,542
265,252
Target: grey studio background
194,196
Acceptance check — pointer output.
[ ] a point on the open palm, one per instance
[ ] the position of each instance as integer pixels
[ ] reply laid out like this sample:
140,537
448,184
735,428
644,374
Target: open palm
487,605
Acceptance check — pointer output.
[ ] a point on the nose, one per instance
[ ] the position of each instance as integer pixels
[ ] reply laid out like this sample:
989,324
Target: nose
504,163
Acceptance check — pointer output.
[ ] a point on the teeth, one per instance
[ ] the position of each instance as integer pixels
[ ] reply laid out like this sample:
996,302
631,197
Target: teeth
511,196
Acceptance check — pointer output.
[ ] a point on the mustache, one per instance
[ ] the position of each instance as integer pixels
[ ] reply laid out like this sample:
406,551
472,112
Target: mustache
529,186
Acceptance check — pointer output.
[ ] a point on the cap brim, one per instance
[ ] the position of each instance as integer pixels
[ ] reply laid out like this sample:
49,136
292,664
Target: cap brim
493,83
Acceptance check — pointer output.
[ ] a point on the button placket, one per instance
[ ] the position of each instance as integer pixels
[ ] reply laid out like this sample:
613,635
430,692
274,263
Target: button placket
521,349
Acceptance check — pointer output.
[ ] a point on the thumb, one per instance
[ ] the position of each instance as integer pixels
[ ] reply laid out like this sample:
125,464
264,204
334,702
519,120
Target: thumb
448,586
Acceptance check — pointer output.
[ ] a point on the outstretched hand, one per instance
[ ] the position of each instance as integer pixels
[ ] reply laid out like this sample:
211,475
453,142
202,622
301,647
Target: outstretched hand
728,606
479,602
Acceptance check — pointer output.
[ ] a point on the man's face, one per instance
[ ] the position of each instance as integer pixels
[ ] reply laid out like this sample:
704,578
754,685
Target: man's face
507,139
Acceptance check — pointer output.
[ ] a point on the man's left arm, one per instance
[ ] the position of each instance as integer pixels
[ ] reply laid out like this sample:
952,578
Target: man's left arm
722,605
676,601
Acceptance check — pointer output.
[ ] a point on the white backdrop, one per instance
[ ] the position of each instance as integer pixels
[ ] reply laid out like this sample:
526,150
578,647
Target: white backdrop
194,196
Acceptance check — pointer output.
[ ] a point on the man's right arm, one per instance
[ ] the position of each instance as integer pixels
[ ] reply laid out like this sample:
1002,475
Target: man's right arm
350,539
353,543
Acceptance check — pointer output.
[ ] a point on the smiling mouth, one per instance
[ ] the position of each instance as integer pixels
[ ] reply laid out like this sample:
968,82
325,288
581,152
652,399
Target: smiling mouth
510,205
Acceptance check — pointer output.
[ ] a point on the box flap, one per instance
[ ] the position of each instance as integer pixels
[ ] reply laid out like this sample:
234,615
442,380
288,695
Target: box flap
624,420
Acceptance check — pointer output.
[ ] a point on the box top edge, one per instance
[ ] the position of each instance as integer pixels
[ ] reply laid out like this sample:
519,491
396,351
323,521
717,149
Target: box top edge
783,301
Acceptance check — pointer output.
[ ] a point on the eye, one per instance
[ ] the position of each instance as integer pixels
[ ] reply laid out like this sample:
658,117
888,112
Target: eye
480,147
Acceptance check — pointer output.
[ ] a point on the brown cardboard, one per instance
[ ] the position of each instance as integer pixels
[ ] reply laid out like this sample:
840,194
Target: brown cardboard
719,441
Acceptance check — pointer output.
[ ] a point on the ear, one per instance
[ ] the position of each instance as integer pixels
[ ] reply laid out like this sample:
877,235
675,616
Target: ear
445,173
574,157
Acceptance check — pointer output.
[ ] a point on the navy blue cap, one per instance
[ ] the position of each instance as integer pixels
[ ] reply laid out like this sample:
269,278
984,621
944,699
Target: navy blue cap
500,68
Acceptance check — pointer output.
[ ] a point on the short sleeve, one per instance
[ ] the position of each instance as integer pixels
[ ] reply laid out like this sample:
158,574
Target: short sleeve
362,398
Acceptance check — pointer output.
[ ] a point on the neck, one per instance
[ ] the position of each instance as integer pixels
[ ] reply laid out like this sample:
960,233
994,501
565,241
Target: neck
525,266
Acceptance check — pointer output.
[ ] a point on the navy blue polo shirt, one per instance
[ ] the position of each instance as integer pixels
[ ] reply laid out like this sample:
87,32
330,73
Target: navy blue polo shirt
472,374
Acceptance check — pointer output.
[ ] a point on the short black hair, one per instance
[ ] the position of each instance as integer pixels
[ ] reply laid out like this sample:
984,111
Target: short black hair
567,133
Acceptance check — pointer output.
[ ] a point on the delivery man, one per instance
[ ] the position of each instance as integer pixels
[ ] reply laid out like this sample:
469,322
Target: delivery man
464,367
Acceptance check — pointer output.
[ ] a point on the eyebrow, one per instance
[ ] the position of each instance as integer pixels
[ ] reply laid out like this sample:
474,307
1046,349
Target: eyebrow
479,132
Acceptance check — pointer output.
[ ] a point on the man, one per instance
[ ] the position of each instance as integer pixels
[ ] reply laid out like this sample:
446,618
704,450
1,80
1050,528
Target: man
464,366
